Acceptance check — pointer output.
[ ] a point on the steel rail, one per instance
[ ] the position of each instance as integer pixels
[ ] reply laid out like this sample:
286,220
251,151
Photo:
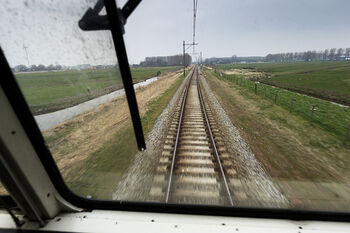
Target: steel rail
216,153
177,137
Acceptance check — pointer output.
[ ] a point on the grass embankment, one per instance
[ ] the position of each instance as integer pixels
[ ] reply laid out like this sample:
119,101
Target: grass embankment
99,173
50,91
333,118
329,80
310,164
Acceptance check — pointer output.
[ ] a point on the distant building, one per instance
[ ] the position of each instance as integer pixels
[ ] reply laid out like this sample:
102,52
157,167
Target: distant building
343,58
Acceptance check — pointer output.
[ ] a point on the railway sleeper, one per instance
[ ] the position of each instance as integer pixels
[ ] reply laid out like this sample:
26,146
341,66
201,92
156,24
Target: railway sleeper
194,195
194,143
202,188
190,151
194,154
195,170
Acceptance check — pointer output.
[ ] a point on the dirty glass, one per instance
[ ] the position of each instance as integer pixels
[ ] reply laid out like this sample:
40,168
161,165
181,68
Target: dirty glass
72,84
243,103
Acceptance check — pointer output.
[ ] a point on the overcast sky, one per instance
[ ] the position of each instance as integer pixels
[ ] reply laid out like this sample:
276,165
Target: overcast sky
157,27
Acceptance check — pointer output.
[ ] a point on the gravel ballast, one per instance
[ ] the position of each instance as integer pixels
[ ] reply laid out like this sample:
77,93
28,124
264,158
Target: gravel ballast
136,183
257,187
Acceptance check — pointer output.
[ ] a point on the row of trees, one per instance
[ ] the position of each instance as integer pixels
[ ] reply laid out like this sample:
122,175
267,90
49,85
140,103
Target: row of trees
176,60
40,67
326,55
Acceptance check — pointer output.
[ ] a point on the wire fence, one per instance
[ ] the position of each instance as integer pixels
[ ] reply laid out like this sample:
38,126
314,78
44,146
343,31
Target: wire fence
329,116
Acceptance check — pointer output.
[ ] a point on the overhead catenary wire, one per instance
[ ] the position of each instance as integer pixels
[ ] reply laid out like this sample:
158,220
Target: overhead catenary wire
195,4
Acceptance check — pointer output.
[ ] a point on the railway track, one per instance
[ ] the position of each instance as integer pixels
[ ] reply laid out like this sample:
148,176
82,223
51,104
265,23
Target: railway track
194,165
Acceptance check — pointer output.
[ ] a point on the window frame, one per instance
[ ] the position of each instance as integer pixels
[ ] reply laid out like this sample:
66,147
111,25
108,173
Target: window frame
25,117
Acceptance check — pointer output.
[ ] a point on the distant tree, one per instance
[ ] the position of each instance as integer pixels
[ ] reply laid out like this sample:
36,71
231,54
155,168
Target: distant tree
347,52
313,55
41,67
58,67
50,67
33,68
332,53
320,55
290,56
308,56
325,54
340,52
188,59
21,68
234,58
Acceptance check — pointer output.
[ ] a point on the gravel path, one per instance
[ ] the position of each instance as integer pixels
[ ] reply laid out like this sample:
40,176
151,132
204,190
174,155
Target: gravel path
258,188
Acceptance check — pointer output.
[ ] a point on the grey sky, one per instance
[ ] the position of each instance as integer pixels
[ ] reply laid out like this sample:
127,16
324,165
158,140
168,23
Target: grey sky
157,27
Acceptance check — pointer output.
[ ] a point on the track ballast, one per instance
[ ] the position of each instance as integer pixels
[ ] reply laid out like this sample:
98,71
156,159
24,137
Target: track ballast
194,164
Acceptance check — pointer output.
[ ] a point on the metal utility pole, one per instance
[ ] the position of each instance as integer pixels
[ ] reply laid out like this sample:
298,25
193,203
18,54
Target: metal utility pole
25,49
184,53
195,4
184,59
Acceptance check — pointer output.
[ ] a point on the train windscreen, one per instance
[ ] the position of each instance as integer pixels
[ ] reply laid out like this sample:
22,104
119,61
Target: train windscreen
242,103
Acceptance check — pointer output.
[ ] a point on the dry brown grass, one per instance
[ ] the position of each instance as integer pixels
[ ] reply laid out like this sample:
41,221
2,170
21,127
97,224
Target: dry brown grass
246,73
74,140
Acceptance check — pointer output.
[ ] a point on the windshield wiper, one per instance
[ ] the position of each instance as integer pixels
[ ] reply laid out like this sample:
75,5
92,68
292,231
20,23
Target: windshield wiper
114,20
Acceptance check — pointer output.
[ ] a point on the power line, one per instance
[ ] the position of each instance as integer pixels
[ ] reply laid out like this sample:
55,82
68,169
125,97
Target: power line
195,4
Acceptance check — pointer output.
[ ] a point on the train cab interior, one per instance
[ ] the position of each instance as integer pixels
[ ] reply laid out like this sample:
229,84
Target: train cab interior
84,146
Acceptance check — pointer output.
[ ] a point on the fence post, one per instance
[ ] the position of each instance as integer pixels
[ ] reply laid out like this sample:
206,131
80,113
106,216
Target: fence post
291,104
347,136
312,112
276,94
256,89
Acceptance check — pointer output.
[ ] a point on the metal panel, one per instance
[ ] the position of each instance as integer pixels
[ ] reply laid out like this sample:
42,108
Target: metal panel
117,221
26,178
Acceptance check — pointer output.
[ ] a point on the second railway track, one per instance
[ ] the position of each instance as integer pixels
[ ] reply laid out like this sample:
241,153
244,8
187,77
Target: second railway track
194,166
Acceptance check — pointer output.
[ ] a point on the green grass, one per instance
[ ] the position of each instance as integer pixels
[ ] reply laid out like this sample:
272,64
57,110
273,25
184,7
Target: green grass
99,174
51,91
309,164
331,117
329,80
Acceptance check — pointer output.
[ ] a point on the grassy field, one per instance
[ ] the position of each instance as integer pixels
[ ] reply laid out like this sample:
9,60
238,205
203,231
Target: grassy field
328,116
328,80
50,91
309,162
97,170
